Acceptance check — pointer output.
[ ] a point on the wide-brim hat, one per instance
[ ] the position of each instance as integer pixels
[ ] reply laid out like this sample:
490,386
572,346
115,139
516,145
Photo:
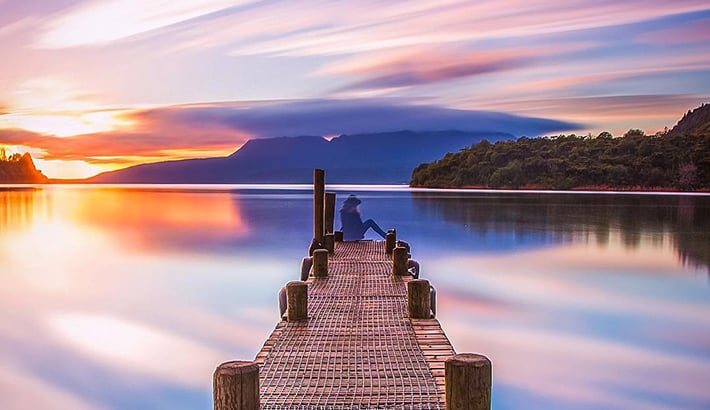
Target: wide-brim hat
352,200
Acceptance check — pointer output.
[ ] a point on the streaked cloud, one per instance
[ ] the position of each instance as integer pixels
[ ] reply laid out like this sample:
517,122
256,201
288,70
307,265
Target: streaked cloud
694,32
100,22
616,114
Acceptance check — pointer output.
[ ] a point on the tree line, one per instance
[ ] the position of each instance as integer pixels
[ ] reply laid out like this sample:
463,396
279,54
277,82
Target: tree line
634,161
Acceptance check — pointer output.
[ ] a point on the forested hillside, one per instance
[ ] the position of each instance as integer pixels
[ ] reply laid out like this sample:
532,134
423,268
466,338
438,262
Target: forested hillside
19,169
635,161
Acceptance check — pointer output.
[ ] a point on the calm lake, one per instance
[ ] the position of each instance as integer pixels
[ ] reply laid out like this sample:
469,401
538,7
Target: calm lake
128,297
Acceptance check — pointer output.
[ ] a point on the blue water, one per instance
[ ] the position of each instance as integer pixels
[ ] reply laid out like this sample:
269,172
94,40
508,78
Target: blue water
128,297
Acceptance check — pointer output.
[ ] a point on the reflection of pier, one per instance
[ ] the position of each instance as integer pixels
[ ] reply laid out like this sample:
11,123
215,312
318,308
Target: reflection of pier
358,333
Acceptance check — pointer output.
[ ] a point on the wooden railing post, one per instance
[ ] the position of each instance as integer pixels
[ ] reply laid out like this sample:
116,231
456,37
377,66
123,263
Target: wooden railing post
320,263
318,203
399,260
468,382
296,301
236,386
390,241
419,299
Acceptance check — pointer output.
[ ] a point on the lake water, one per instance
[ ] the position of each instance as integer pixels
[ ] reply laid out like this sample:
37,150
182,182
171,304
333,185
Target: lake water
128,297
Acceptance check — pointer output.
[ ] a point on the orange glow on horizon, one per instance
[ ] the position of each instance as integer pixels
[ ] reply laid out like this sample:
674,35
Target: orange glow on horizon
66,124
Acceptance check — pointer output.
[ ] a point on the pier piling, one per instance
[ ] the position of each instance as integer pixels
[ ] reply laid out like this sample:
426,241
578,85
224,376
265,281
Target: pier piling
390,241
296,301
320,263
468,382
400,261
419,299
236,386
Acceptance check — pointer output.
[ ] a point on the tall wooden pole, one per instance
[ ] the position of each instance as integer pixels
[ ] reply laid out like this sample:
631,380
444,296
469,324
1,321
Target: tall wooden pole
329,212
318,203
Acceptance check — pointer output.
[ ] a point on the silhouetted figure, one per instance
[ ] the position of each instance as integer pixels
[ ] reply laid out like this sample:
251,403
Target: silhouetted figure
352,225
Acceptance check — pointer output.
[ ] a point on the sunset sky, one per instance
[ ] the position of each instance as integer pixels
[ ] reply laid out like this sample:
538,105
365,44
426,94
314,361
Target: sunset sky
93,85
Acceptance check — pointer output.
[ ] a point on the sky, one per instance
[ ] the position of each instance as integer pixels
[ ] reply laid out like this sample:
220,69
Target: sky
93,85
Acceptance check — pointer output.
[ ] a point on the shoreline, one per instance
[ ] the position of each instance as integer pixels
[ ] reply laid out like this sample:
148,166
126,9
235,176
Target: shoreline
362,188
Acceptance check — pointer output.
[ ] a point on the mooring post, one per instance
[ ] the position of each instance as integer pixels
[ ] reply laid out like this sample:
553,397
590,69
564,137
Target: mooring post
399,260
318,203
390,241
320,263
236,386
296,301
468,382
329,242
419,299
329,212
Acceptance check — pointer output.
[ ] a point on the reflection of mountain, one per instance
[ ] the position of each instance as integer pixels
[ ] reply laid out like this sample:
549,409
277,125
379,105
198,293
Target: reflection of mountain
19,207
684,220
366,158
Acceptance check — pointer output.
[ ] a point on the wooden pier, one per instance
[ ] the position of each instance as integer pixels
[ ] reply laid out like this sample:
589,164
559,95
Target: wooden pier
356,335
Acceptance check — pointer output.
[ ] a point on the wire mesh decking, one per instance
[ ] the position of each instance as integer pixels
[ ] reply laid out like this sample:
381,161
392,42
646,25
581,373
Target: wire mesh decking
358,348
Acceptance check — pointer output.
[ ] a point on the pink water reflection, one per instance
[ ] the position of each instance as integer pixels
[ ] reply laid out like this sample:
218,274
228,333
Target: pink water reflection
93,282
585,338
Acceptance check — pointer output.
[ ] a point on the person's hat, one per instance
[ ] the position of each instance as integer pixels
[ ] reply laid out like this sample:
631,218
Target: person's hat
352,200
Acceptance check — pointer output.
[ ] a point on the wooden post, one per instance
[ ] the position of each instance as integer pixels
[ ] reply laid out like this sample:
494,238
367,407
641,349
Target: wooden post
399,261
468,382
236,386
390,241
318,203
296,301
320,263
419,299
329,212
329,242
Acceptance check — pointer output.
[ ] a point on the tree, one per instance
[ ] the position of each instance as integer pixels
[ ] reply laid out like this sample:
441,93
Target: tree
634,132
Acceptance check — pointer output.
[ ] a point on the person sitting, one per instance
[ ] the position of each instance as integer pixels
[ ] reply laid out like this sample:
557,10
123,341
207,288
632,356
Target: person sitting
352,225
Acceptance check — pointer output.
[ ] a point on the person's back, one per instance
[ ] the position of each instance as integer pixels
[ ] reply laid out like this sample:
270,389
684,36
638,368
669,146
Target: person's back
351,220
352,225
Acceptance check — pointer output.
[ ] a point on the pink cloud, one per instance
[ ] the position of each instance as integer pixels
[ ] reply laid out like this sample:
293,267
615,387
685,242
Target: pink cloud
695,32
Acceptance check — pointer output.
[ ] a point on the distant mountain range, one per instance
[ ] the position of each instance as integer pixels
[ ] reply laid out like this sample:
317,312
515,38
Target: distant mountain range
382,158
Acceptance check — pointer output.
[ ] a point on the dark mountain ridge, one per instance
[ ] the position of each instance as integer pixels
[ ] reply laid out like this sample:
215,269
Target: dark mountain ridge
383,158
695,122
19,169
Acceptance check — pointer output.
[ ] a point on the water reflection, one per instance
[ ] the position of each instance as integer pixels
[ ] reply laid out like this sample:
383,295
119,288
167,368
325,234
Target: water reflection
135,294
144,290
637,220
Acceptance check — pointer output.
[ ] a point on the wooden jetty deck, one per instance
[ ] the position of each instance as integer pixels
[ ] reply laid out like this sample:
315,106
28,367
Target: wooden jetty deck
359,348
359,332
